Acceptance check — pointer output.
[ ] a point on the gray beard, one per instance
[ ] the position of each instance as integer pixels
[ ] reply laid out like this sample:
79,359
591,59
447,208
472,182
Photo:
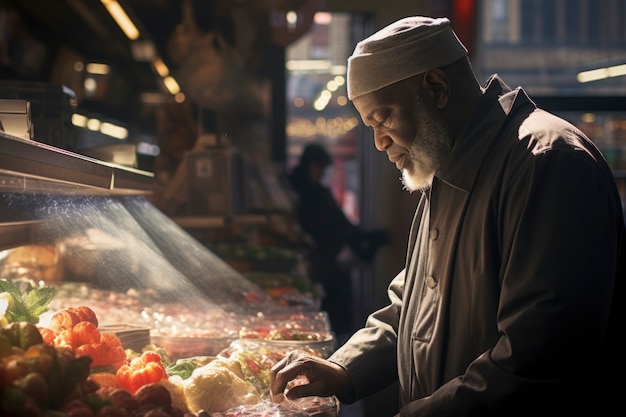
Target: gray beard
413,183
431,145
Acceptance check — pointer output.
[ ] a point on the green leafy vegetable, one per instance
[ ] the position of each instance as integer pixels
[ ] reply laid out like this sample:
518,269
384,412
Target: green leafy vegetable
28,301
182,368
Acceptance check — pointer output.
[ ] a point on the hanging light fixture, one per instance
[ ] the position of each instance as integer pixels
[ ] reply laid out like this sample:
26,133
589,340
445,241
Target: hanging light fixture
120,16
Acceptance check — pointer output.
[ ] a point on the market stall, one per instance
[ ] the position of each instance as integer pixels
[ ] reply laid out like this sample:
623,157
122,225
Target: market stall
77,233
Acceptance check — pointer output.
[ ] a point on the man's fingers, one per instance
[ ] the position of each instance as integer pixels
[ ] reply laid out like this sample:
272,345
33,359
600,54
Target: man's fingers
277,398
299,391
284,371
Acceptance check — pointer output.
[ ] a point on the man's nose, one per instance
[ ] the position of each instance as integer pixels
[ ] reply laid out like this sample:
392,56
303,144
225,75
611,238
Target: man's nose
381,141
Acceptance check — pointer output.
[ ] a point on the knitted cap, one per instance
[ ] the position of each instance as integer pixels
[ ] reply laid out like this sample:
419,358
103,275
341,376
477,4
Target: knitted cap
401,50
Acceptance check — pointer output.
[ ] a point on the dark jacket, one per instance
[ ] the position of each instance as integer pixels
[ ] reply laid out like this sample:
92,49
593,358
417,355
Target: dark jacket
503,306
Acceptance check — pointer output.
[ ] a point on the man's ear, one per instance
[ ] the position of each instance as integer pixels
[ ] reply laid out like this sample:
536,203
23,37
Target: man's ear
437,84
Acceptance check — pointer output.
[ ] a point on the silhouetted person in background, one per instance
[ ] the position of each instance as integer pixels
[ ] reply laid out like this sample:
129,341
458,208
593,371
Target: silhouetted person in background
321,217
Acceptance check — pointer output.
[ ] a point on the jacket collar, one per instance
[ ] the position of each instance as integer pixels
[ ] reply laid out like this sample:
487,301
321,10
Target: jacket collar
481,130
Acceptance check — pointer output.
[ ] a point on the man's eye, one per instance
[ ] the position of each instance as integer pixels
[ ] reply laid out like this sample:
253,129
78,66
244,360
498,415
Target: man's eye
378,123
382,124
382,120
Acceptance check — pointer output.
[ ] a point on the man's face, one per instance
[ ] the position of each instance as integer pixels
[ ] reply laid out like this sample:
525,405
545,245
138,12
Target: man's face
409,128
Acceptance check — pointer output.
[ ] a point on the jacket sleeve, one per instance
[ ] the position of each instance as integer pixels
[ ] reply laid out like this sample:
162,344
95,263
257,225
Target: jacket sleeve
561,230
370,354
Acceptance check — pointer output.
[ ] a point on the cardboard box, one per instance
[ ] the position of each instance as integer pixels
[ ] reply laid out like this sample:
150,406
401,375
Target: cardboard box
51,108
215,182
15,118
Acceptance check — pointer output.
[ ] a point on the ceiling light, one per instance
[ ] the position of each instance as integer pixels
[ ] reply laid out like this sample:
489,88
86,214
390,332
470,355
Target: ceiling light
160,67
317,65
113,130
97,69
93,124
171,85
121,18
150,149
79,120
601,73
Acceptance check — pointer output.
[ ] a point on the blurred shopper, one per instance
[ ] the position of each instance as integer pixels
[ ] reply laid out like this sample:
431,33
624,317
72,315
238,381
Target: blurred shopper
508,302
331,232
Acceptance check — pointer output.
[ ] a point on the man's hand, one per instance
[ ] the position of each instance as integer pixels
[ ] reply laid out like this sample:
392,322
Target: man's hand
301,375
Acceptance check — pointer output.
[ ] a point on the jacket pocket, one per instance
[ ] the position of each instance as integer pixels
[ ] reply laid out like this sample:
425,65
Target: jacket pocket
427,311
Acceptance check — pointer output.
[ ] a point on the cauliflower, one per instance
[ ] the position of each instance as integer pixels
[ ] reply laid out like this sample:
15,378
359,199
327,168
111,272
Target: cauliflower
232,365
176,387
215,388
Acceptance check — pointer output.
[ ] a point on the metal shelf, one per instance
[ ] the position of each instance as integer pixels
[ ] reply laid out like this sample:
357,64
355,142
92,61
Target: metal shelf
31,166
203,222
14,234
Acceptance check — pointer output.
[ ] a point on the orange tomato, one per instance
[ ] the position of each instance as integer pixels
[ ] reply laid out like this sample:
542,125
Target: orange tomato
111,350
82,333
84,313
88,350
47,334
141,371
70,317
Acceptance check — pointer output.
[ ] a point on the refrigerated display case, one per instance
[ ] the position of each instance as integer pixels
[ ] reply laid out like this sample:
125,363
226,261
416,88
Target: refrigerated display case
88,229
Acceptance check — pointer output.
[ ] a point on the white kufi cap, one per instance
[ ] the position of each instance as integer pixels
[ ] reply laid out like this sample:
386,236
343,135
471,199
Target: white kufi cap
405,48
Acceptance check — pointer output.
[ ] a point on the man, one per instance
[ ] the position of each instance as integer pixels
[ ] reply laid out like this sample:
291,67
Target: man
505,305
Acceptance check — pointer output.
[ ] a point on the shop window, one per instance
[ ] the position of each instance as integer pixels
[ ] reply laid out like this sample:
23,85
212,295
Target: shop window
317,106
569,56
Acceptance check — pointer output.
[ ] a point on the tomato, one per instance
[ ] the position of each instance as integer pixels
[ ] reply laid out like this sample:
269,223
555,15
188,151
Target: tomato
150,356
91,351
110,350
63,320
85,313
82,333
47,334
85,339
141,371
70,317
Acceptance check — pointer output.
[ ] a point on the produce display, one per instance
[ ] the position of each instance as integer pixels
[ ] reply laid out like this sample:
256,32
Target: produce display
46,371
61,363
110,309
281,273
248,257
197,328
193,329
